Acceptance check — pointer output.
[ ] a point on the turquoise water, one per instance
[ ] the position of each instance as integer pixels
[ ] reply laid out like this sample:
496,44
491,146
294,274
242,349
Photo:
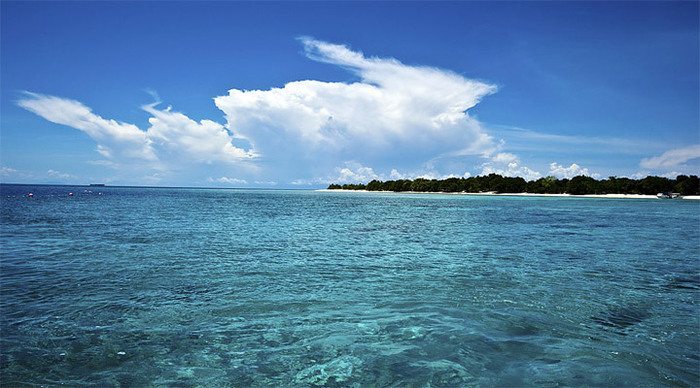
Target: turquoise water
204,287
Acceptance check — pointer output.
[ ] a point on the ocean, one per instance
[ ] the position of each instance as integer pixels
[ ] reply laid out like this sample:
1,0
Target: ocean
223,287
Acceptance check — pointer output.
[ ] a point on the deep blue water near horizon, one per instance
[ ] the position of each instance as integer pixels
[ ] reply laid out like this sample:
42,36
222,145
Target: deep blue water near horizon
207,287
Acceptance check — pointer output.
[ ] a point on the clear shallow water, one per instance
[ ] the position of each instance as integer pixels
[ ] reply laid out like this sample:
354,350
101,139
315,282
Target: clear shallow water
188,287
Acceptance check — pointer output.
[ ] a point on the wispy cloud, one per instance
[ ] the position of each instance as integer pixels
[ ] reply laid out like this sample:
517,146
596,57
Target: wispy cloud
114,138
672,158
527,139
104,163
7,171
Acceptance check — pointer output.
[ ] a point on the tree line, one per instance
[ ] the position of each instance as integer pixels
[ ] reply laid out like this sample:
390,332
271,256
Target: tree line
683,184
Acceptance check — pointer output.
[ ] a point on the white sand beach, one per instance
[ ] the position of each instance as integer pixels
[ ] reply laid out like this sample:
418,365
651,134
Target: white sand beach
491,193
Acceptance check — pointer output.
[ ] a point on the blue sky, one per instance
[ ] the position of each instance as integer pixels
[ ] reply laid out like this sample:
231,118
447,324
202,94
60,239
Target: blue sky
303,94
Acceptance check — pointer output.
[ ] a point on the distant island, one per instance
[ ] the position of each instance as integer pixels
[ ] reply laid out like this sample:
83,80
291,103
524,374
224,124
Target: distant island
579,185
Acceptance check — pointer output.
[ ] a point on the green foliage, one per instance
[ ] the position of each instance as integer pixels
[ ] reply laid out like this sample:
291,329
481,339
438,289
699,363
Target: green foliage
683,184
686,185
350,186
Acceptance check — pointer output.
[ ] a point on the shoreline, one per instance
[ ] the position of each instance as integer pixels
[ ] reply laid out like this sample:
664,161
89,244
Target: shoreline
491,193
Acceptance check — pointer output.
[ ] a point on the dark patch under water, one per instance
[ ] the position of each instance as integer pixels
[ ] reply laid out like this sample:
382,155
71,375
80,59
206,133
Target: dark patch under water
685,282
622,317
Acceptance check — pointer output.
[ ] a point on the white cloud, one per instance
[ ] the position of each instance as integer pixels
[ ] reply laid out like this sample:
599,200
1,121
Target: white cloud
350,172
14,174
112,136
434,175
672,158
504,157
355,173
59,175
405,117
394,110
671,174
644,174
560,171
513,169
396,175
7,171
228,180
637,175
171,139
205,141
506,164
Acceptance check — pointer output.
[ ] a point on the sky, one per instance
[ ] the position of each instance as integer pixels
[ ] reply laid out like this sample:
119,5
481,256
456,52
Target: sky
300,95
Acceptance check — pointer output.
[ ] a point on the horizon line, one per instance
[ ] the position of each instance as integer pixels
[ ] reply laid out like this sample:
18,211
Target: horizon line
149,187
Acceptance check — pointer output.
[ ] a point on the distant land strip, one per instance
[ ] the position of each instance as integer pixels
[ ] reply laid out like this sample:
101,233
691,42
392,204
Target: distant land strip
579,185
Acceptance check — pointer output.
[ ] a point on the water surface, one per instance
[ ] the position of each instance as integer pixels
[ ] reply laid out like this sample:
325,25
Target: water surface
205,287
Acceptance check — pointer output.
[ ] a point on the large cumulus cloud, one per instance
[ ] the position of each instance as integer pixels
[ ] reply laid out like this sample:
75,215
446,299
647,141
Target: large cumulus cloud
394,115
